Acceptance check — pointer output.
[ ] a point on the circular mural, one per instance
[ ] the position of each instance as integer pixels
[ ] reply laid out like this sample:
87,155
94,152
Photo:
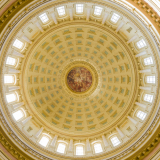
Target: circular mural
79,79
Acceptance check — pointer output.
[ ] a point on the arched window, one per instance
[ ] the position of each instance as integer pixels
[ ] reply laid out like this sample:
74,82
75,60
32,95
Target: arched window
148,98
98,148
61,147
44,18
141,43
11,61
61,11
141,115
148,61
44,141
79,8
9,79
115,17
11,97
79,150
18,44
150,79
115,141
97,11
18,115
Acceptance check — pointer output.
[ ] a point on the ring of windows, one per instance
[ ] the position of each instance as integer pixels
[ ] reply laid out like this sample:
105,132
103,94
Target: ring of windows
80,149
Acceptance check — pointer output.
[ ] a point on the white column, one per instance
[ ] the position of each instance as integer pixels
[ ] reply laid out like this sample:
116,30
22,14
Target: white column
141,54
18,54
54,18
71,14
141,105
88,145
12,88
120,26
132,120
54,140
145,88
27,39
120,132
145,71
104,18
70,145
132,39
39,26
39,132
88,13
18,105
11,70
104,141
26,120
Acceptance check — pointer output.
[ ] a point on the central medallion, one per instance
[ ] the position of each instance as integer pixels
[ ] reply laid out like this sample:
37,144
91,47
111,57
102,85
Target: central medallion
79,79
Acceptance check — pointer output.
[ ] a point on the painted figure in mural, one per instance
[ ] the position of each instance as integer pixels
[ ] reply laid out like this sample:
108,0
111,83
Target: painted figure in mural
79,79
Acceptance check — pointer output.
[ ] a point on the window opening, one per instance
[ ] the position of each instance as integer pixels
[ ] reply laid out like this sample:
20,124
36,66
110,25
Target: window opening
61,148
79,8
115,17
150,79
97,10
44,141
141,43
141,115
44,18
61,11
115,141
11,97
148,97
8,79
79,150
98,147
18,115
148,61
11,61
18,44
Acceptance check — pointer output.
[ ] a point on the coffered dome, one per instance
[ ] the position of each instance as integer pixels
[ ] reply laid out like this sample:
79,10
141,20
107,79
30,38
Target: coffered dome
80,80
111,69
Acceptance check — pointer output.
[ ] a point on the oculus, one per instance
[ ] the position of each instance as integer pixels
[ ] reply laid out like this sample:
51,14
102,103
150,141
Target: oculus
79,79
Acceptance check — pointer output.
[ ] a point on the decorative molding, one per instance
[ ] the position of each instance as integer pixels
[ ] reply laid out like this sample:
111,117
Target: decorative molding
17,152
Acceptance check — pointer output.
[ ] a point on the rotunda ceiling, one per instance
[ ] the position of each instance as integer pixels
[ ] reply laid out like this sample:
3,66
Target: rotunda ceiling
57,64
78,75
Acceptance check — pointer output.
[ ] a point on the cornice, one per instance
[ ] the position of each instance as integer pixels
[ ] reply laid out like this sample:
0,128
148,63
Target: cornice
155,154
11,11
6,1
148,147
148,11
3,154
17,152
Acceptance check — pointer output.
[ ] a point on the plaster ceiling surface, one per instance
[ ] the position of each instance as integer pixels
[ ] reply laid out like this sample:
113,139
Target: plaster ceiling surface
113,79
81,78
